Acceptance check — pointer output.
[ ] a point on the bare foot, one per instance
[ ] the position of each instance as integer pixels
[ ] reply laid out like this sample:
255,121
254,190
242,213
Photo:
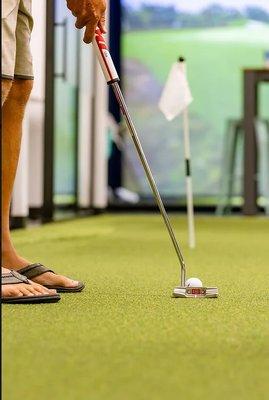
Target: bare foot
12,260
23,289
49,278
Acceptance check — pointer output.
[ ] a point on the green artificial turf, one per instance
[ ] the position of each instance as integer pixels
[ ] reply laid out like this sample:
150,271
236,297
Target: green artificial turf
124,337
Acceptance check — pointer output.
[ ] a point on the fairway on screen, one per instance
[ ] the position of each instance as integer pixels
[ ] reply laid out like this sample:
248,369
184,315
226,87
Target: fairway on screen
218,38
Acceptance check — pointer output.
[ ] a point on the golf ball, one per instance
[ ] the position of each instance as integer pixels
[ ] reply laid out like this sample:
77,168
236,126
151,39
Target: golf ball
194,282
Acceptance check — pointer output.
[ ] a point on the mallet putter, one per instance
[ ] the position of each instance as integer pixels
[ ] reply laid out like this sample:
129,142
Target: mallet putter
112,79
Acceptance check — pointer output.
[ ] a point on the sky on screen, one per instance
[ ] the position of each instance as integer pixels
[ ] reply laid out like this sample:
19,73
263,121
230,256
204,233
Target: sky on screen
197,5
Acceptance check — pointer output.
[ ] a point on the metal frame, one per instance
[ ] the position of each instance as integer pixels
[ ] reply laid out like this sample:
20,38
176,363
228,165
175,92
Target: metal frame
252,78
48,205
49,128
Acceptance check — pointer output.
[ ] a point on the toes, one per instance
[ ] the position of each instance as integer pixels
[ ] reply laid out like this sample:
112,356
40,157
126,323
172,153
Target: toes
41,289
14,293
35,291
67,282
44,290
60,280
73,283
37,286
18,292
52,291
26,292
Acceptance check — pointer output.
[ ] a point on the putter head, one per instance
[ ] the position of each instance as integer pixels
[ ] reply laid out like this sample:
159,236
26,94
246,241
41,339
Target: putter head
196,292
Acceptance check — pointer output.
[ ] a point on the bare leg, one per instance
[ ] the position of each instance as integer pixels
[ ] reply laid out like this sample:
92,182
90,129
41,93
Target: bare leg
6,86
20,289
13,112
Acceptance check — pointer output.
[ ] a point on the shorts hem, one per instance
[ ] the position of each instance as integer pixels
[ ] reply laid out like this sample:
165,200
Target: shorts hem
7,77
23,77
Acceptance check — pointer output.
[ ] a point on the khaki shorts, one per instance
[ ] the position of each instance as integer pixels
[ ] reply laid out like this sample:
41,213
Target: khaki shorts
17,24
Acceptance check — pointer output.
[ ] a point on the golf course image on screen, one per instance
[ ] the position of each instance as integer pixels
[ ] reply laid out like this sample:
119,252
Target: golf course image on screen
219,40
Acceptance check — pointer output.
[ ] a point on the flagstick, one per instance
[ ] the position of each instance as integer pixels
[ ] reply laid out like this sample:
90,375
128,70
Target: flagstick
175,99
189,191
187,155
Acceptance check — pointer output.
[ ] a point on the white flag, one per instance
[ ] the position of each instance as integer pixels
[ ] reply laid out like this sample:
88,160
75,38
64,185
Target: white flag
176,95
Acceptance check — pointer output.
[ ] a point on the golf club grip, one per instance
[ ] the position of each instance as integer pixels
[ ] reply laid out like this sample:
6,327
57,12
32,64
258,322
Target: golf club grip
104,57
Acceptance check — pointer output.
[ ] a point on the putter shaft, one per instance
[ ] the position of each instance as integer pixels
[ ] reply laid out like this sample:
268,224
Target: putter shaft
140,152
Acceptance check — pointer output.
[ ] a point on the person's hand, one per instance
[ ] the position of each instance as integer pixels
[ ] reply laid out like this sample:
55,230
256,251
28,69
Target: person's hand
89,13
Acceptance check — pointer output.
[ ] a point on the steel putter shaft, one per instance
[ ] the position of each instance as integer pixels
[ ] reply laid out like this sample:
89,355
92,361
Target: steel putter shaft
112,79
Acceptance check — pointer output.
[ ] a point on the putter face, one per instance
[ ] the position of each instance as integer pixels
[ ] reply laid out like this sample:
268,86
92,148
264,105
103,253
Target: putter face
195,292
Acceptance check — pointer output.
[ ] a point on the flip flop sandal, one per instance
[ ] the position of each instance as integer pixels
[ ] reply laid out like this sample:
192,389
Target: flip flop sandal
33,270
14,278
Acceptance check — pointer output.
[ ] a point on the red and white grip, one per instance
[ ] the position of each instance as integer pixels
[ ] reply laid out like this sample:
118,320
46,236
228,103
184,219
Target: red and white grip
104,57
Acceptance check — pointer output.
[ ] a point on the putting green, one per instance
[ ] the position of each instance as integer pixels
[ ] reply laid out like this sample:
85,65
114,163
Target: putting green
124,337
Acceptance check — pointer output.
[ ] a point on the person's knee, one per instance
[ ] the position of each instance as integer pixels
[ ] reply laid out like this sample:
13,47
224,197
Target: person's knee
5,89
21,90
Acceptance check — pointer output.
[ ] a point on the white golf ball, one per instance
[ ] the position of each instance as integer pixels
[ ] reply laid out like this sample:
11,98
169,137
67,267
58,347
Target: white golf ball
194,282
